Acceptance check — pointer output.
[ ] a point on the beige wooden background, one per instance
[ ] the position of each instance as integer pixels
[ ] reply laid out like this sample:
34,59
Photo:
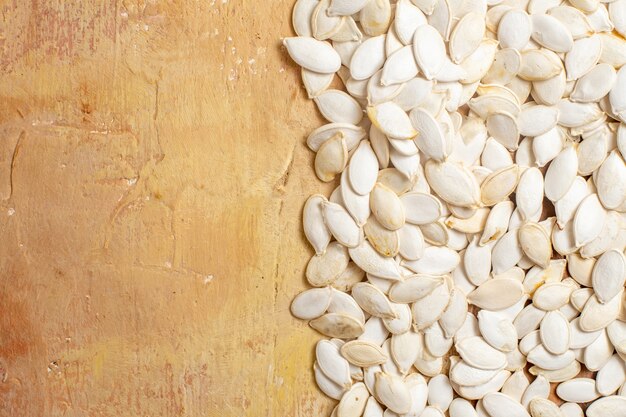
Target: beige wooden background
152,174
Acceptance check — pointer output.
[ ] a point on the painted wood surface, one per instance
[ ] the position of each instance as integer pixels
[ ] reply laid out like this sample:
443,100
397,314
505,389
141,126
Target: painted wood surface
152,174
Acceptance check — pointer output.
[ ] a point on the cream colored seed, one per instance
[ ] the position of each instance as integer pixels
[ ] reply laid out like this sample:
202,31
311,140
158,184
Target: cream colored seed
473,144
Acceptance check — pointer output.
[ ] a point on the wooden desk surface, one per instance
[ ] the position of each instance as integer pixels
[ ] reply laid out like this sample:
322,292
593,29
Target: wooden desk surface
152,174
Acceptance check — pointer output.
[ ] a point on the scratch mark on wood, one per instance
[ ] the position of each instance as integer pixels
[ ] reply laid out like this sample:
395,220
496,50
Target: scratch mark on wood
16,151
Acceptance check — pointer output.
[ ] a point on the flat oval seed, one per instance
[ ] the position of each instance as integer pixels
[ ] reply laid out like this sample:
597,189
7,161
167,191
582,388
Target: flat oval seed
430,139
499,185
546,360
561,174
611,181
497,330
611,376
555,333
551,33
539,64
469,376
514,29
571,410
436,261
363,169
477,353
429,50
528,320
421,208
369,260
460,407
345,7
558,375
352,135
572,18
504,68
339,107
440,393
385,241
535,243
362,353
540,407
331,158
400,67
393,393
342,225
589,220
408,18
583,56
552,296
315,229
595,84
566,206
342,303
506,253
312,54
529,193
405,349
391,120
501,405
353,402
537,120
477,64
337,325
430,308
479,391
332,363
372,300
375,18
455,313
453,183
578,390
616,96
477,262
497,222
323,269
609,274
466,36
504,128
414,288
596,316
311,304
539,388
387,207
613,406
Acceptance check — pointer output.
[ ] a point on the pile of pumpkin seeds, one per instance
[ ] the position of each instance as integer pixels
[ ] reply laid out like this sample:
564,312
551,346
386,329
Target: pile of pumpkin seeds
471,257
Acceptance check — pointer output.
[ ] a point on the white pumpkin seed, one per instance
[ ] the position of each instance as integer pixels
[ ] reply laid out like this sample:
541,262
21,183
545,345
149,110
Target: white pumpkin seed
375,17
583,56
429,50
577,390
466,36
339,107
549,32
501,405
313,54
514,29
555,333
393,393
608,276
589,219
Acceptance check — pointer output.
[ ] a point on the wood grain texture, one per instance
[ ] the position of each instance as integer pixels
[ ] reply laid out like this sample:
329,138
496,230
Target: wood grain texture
152,174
